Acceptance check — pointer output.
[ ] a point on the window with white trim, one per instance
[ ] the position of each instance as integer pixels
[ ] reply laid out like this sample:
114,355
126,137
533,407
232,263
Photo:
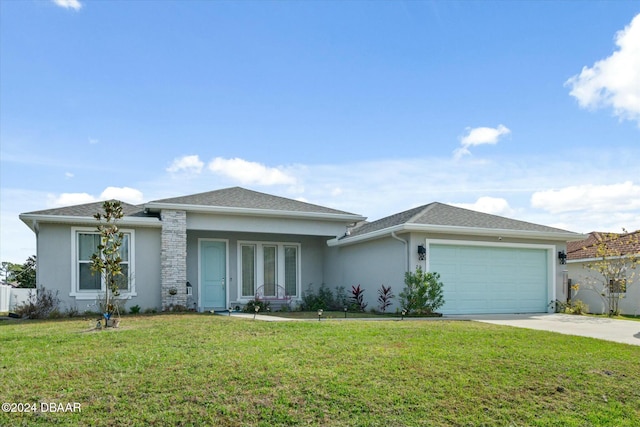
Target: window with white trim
248,270
88,283
268,265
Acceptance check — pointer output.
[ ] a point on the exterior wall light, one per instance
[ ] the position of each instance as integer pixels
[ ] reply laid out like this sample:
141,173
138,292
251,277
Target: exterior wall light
319,314
422,252
562,256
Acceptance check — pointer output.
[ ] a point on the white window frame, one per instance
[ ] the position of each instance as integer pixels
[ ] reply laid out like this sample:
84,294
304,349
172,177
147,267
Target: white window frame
93,294
259,266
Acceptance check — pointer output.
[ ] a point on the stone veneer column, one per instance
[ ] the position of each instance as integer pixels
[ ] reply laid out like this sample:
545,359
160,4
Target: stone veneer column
173,258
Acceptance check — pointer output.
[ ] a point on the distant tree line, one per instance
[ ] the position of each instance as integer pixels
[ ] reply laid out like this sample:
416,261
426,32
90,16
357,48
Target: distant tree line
24,275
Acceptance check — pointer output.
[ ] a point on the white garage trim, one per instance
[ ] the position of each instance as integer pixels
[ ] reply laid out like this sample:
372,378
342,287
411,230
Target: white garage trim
550,252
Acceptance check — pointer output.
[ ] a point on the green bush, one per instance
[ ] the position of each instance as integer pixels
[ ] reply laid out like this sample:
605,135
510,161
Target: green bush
324,299
341,300
570,307
422,293
72,311
134,309
250,307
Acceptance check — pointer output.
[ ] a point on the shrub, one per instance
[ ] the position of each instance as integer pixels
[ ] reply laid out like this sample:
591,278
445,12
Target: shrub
250,307
322,300
341,299
570,307
384,297
39,306
357,298
422,293
134,309
72,311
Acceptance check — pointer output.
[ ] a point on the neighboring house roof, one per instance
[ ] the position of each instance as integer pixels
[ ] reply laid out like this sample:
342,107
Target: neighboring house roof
442,218
622,243
239,200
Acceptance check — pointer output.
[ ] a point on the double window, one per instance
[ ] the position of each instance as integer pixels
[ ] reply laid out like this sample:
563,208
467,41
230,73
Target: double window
88,283
273,266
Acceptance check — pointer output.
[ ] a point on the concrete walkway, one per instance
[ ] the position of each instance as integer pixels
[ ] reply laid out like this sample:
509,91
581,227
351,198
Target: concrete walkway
261,317
622,331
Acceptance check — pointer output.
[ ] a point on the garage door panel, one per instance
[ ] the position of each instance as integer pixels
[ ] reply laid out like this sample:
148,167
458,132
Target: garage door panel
484,279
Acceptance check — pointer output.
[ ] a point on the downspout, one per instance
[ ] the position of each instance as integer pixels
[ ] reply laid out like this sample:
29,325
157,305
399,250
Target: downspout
406,251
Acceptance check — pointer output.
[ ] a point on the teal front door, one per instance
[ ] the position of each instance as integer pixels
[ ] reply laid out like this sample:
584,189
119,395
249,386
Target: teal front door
213,272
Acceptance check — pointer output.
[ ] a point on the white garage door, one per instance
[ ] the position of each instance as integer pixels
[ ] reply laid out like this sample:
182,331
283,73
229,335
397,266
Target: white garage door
483,279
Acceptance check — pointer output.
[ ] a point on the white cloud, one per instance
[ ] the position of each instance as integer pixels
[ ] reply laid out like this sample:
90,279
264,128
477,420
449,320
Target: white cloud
614,81
69,4
70,199
479,136
187,164
246,172
490,205
93,141
125,194
68,175
610,198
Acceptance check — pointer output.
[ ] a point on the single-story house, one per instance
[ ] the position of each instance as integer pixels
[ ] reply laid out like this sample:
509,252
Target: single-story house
590,284
213,250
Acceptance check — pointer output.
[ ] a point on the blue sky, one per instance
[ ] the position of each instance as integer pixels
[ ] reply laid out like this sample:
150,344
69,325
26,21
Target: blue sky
524,109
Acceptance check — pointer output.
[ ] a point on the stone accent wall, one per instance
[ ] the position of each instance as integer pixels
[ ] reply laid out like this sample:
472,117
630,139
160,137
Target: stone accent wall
173,258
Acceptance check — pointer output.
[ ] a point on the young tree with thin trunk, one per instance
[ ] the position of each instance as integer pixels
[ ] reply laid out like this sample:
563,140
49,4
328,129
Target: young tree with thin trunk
107,260
614,267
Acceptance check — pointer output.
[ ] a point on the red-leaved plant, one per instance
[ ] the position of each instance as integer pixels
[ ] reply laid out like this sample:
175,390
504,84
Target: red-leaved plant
357,298
384,297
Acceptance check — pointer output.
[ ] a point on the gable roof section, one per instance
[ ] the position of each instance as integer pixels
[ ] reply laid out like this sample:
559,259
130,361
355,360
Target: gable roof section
88,210
81,214
237,200
625,244
442,218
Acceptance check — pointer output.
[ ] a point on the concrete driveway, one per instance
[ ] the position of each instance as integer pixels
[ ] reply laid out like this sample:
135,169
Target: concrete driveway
623,331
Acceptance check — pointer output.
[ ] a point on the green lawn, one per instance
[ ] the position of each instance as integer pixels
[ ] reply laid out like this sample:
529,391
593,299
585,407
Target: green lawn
198,370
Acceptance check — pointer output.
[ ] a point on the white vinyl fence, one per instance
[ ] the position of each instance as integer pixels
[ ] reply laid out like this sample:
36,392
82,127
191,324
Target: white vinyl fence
10,297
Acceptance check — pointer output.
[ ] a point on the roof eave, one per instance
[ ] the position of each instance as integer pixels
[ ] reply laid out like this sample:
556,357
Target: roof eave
459,230
155,206
596,259
31,220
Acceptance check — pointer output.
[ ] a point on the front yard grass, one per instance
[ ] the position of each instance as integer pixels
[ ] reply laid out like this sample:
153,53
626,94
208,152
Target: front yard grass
198,370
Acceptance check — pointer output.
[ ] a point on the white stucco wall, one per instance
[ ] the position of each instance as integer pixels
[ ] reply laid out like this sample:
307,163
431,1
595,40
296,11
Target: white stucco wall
583,277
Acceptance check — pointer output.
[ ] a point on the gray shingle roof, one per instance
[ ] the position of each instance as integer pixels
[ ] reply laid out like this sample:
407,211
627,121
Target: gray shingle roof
237,197
440,214
88,210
